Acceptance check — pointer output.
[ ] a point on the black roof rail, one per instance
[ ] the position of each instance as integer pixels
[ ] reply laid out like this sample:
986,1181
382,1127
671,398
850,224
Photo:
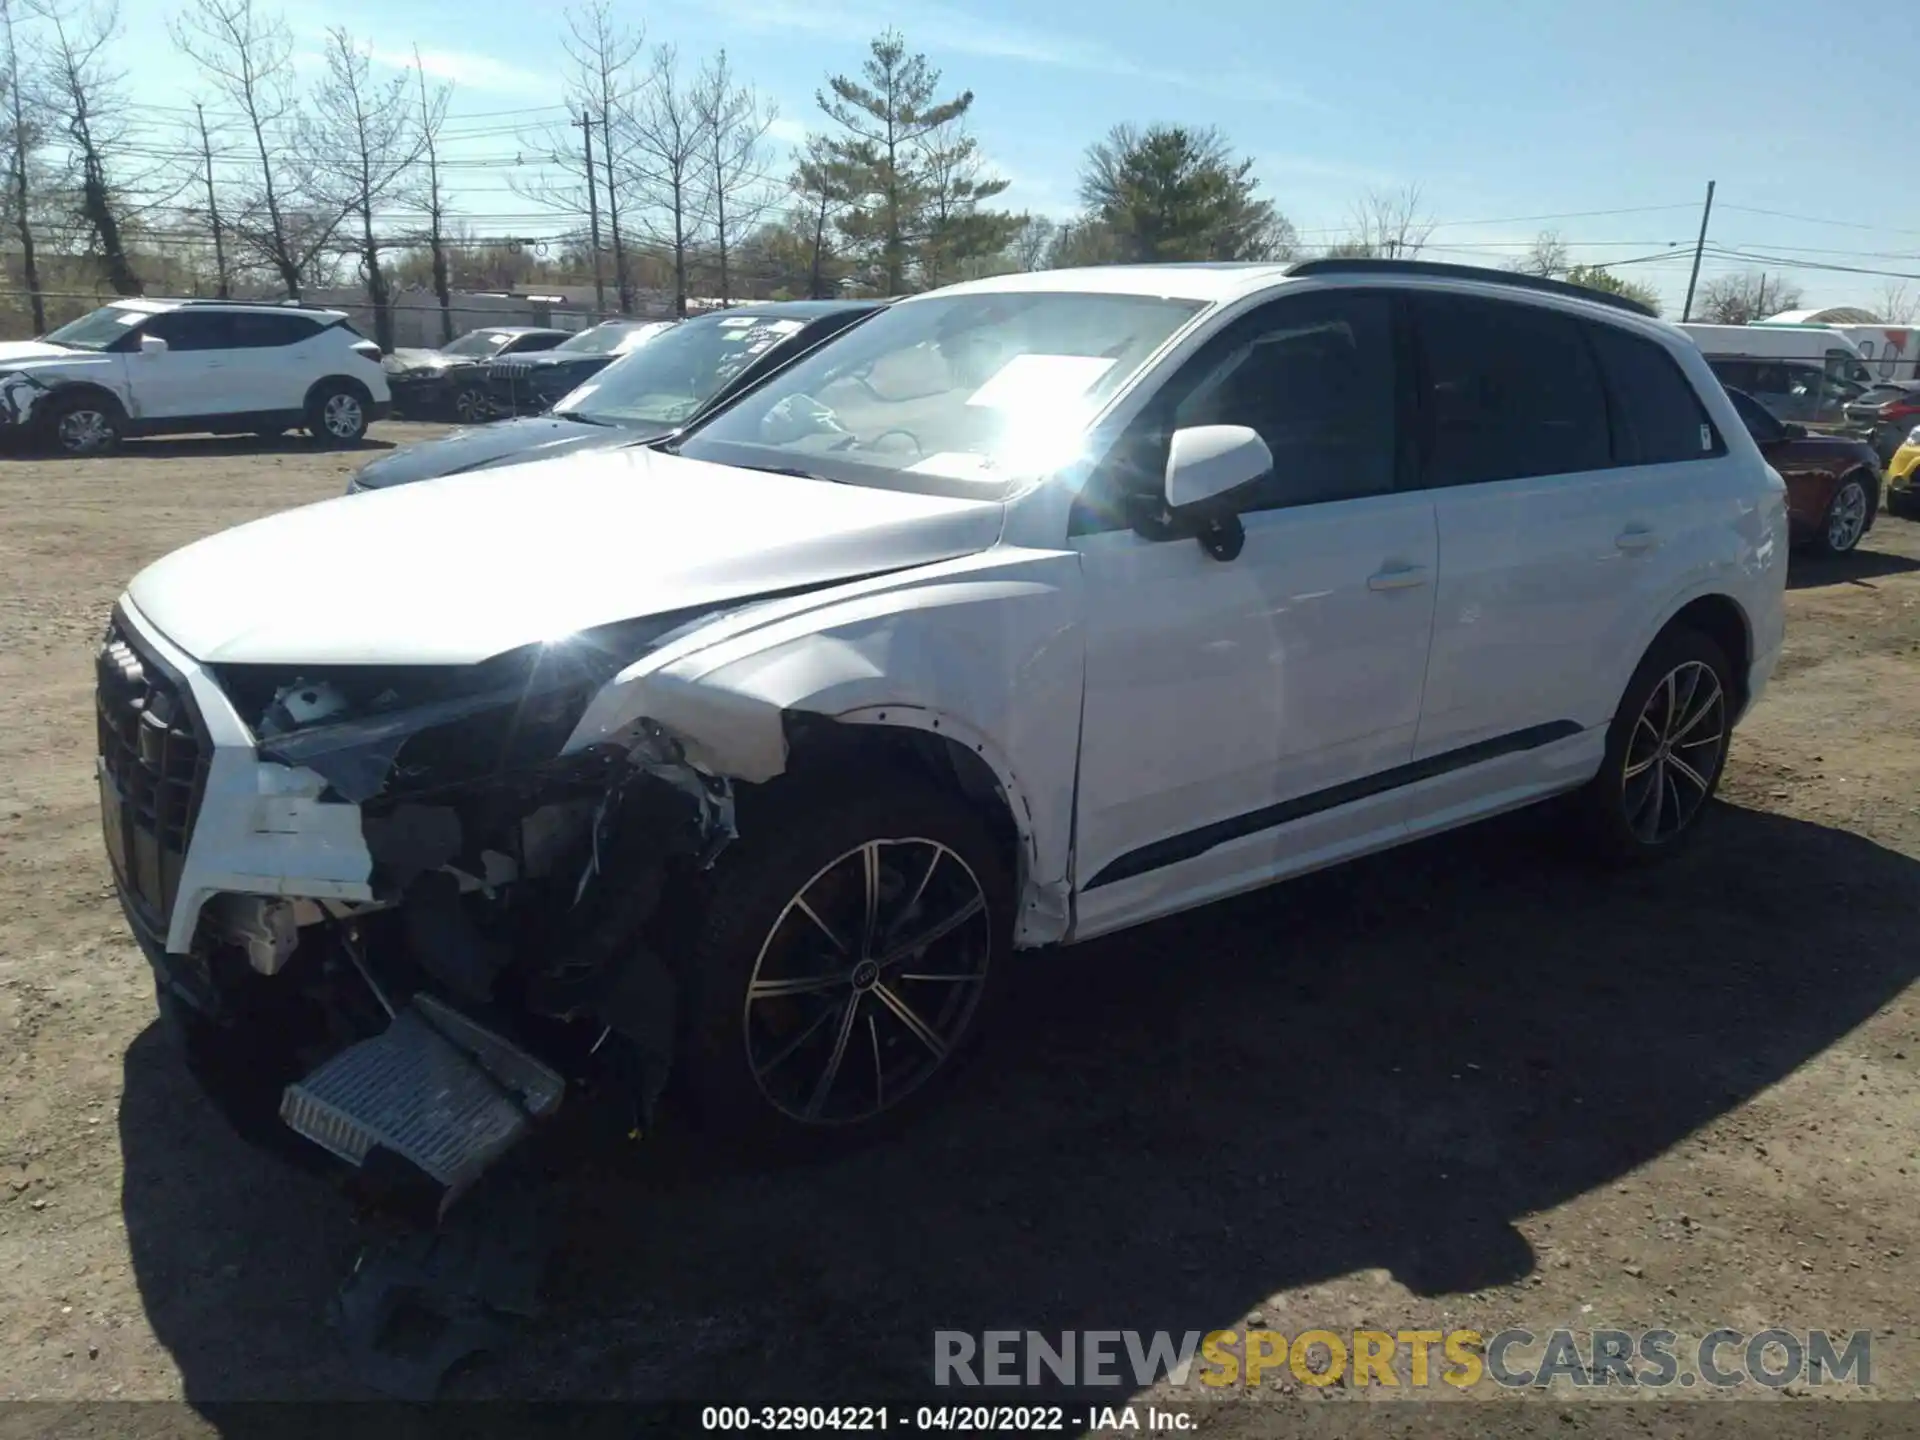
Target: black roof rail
1440,270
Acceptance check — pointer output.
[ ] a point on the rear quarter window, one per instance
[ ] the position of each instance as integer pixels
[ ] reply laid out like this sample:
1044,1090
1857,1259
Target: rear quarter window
1509,392
266,331
1656,415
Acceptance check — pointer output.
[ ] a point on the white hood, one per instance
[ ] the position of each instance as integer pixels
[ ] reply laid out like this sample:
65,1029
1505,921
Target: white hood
453,571
14,352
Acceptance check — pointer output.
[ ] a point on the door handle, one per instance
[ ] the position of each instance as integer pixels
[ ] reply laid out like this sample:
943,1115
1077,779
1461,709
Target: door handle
1405,578
1636,539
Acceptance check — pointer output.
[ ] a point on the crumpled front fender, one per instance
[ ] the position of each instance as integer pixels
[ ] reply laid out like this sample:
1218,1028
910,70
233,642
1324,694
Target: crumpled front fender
985,651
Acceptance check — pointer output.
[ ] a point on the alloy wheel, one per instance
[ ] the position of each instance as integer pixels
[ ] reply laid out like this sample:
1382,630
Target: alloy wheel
1675,752
466,406
82,432
867,981
342,416
1847,517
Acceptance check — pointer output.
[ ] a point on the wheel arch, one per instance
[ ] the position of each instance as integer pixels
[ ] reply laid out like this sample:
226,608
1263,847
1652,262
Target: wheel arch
69,390
341,382
956,757
1723,620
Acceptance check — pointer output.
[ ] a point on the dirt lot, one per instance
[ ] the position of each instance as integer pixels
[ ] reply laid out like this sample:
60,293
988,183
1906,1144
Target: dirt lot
1470,1083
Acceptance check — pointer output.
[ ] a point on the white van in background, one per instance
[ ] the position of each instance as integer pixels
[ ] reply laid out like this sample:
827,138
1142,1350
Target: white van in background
1892,352
1802,373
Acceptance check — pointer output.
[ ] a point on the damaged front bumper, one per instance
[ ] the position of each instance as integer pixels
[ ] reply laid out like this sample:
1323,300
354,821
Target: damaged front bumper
398,931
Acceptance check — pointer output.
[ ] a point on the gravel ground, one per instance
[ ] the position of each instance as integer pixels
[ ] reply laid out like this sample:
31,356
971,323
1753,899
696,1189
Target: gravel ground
1471,1083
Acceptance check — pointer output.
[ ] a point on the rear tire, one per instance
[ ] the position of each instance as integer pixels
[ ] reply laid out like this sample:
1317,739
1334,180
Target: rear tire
811,1018
337,415
1849,515
1666,749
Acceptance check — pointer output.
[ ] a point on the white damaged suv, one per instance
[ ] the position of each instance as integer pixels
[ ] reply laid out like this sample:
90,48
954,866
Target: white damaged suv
169,367
1028,610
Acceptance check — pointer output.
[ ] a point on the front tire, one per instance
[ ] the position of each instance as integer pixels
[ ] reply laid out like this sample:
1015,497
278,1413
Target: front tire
84,425
844,961
1666,749
1849,514
470,405
337,416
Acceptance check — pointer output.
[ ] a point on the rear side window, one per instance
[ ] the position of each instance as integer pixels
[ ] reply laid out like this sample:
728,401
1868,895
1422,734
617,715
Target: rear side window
266,330
1508,392
1657,417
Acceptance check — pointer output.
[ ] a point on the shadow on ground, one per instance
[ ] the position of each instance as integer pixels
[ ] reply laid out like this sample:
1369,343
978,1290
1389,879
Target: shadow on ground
1860,567
211,447
1382,1065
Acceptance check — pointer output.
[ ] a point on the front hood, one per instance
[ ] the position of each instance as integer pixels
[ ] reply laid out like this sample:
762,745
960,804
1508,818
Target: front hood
553,361
508,442
401,361
454,571
14,352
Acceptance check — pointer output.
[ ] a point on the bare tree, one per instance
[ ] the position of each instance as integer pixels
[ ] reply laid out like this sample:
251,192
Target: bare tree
24,136
1548,256
1392,225
1896,303
1032,244
88,94
735,125
574,176
433,200
665,153
359,148
247,54
1746,297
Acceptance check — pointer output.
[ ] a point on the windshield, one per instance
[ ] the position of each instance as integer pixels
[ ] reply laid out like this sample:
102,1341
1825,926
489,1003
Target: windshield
609,339
949,394
98,330
478,343
663,383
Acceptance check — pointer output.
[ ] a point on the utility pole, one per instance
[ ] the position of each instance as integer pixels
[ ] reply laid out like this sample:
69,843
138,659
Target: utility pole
585,122
1686,310
213,208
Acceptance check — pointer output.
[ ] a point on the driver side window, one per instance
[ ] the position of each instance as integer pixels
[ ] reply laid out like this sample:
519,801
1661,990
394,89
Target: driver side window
1313,375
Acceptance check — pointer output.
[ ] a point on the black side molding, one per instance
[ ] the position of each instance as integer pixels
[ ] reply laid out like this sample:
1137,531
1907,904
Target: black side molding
1176,848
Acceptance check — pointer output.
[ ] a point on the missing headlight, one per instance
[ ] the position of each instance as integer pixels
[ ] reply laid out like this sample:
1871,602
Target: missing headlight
385,729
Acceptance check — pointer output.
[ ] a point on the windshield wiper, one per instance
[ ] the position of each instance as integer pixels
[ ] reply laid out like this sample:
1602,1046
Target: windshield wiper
586,419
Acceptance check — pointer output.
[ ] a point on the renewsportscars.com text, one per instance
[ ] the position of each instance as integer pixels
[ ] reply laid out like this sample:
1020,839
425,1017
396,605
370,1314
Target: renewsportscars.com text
1414,1359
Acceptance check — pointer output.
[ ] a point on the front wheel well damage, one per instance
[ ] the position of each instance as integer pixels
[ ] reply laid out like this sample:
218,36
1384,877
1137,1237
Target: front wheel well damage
818,744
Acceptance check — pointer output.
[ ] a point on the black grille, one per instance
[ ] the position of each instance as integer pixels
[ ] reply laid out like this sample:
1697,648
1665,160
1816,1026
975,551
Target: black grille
154,753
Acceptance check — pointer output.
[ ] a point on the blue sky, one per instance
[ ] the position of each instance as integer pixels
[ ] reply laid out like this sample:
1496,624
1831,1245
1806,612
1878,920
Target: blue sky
1499,110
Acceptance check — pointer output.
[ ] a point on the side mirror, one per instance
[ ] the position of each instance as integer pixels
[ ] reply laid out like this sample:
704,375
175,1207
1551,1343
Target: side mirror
152,345
1206,464
1793,430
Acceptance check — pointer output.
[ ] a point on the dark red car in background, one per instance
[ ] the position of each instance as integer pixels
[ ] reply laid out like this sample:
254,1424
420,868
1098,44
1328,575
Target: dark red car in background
1833,481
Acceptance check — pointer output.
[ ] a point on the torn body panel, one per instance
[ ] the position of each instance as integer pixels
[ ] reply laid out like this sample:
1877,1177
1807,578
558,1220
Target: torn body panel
985,651
498,840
